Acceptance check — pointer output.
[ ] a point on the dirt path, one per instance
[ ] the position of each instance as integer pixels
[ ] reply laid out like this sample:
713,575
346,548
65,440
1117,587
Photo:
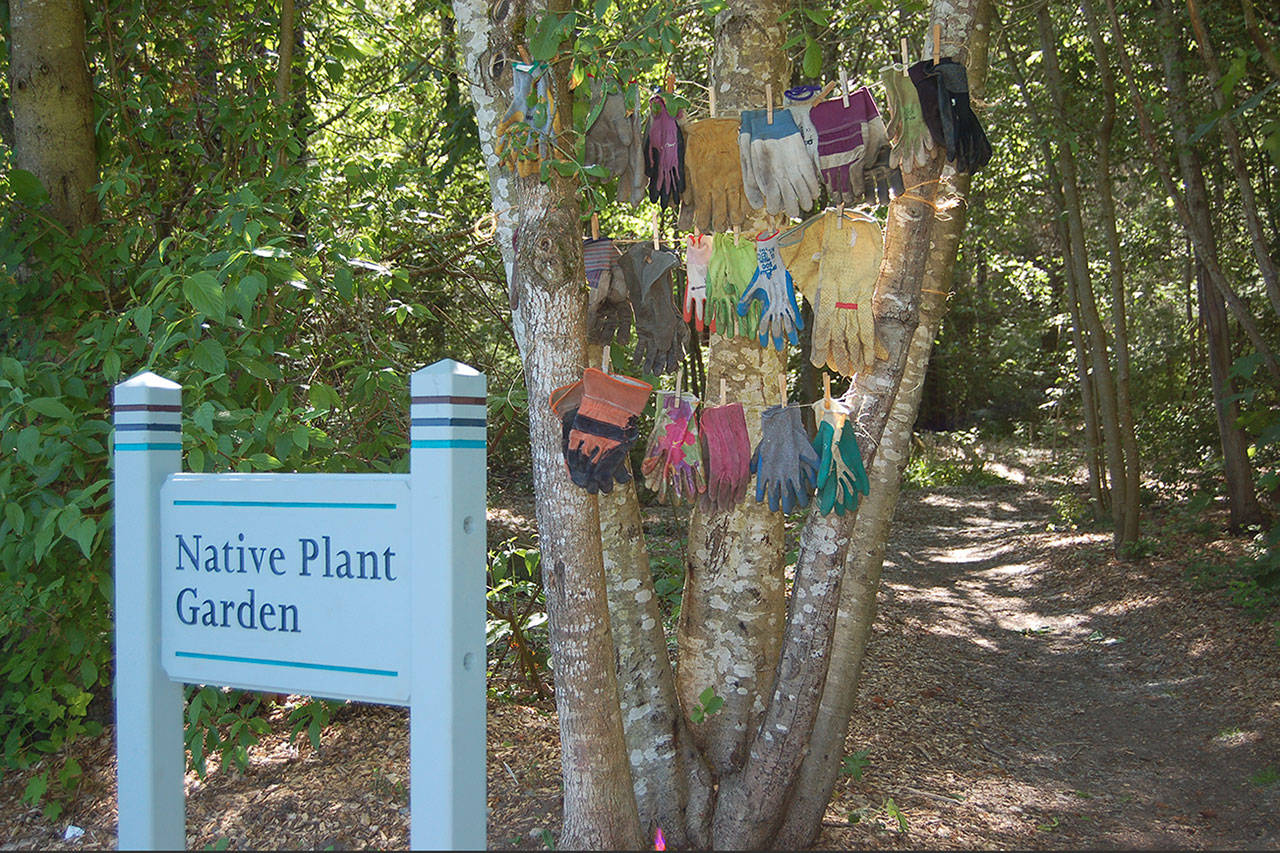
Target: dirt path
1022,690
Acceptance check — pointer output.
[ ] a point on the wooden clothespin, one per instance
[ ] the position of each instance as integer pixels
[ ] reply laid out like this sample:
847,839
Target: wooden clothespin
768,96
840,216
679,382
826,90
736,236
844,87
826,390
711,97
782,388
524,53
605,361
595,226
722,398
905,61
937,43
655,230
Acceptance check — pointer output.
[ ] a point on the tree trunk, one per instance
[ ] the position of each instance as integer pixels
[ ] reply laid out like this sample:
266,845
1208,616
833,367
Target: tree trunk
1244,507
1248,204
1088,400
1242,500
542,250
1077,257
1106,198
751,804
861,583
672,783
1197,225
51,97
730,626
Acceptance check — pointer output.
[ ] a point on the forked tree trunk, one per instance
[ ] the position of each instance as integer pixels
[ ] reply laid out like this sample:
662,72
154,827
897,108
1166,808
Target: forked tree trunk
1130,494
731,615
51,98
1077,257
865,560
540,241
672,783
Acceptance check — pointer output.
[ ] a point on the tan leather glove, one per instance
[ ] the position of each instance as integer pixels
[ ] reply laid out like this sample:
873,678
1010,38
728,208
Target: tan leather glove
714,199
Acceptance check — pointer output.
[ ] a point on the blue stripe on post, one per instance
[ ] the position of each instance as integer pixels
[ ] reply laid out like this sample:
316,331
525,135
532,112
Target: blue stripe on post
474,422
359,670
157,427
421,443
148,445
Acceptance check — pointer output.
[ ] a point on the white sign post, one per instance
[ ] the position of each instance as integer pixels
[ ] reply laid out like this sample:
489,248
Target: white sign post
357,586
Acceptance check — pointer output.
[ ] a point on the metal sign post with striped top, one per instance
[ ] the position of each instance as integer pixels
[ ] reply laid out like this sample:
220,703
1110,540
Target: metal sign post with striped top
357,586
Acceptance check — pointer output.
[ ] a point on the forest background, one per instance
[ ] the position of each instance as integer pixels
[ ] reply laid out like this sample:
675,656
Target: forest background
285,211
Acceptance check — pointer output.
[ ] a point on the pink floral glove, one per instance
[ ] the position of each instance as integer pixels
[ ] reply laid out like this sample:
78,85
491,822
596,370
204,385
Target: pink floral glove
673,457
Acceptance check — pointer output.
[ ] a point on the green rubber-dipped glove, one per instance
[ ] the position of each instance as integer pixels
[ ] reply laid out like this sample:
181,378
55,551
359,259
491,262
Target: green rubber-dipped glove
728,273
912,141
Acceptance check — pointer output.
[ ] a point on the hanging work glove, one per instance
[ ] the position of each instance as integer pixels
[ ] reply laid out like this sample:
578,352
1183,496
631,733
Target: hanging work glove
664,156
778,163
843,336
877,175
661,334
801,249
967,144
925,77
605,408
785,464
608,141
729,272
841,475
598,256
912,141
779,315
697,258
841,146
798,102
609,305
673,457
516,131
714,198
727,451
609,470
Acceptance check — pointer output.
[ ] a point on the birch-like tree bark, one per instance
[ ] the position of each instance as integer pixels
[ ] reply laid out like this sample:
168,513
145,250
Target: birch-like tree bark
51,97
540,240
731,615
861,583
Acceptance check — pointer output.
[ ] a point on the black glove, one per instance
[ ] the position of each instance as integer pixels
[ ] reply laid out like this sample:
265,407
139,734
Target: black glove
925,77
967,144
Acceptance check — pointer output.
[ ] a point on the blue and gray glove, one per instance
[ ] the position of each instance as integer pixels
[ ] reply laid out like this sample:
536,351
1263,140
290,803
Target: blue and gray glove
785,464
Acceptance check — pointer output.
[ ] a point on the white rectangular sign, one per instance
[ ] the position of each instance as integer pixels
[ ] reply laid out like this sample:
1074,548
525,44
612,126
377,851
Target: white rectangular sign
291,583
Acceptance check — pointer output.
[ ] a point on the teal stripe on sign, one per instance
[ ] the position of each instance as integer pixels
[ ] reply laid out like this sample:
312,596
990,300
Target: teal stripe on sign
148,445
359,670
288,504
448,442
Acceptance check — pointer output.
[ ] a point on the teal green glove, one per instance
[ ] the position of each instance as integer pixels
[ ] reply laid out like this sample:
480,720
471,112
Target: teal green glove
729,271
841,475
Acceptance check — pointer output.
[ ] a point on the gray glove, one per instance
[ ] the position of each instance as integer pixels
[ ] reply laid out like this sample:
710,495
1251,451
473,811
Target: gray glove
778,163
608,308
661,333
785,463
608,141
877,174
633,183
